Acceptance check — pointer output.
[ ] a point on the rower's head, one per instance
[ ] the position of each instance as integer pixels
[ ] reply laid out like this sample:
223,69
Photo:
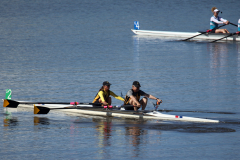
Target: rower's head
106,85
215,11
136,86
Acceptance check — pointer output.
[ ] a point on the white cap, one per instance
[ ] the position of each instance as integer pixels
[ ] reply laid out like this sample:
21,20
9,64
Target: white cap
216,10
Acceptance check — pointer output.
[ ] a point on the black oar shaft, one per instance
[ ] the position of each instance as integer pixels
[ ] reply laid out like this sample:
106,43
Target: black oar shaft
223,37
194,36
202,33
233,24
14,104
45,109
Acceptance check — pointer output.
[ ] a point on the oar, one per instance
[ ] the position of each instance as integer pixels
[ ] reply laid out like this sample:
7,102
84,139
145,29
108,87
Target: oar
45,109
225,37
156,105
14,104
233,24
202,33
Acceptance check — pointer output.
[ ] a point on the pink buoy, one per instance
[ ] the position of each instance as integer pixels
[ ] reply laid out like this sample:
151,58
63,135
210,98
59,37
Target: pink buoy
105,106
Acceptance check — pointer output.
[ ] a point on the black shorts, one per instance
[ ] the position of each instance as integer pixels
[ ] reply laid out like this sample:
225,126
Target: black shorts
97,103
213,31
128,108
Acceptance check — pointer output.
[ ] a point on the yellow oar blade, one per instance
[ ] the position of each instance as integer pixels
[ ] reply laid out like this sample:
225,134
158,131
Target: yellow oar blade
5,103
40,110
10,103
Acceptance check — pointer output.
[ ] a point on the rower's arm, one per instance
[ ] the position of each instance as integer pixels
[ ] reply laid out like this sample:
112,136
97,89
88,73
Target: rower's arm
116,96
224,21
152,97
101,96
216,21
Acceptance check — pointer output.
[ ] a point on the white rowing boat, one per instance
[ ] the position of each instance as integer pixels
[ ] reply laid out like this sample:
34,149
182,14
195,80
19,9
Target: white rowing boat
117,112
183,35
92,109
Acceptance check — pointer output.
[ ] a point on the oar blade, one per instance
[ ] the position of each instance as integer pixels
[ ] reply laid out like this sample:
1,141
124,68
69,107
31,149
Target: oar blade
10,103
41,110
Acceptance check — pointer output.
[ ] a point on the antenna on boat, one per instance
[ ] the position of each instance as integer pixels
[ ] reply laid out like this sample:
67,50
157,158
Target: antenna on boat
122,95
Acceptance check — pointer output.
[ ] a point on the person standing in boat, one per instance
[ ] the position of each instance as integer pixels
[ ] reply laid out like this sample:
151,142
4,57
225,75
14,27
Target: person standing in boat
133,97
103,95
215,20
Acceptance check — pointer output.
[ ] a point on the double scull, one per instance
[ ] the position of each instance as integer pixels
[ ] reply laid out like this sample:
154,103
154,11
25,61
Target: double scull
116,111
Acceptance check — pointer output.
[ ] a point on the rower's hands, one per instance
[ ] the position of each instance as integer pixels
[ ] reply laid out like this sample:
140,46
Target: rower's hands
159,101
104,103
227,22
139,105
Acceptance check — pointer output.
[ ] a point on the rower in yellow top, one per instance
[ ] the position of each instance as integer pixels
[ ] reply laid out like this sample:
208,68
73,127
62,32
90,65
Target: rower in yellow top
103,96
133,97
215,20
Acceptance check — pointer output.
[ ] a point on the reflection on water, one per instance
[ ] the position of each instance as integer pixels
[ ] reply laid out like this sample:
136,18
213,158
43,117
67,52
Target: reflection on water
41,120
10,121
136,49
104,128
221,62
193,128
135,135
238,61
224,69
218,55
110,129
135,138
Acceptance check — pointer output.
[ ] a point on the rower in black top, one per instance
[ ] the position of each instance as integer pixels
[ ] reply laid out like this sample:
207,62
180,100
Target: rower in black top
133,97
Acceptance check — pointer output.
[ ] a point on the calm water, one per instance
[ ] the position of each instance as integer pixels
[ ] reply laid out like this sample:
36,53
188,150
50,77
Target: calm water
63,50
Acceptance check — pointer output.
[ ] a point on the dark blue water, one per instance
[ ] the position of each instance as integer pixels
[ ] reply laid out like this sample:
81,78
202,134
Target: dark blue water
64,50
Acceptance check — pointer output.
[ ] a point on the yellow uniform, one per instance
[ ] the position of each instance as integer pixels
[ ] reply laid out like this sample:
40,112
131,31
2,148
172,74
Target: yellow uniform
103,95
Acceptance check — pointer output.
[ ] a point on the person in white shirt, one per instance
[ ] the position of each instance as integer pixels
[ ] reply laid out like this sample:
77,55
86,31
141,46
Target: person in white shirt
215,20
239,25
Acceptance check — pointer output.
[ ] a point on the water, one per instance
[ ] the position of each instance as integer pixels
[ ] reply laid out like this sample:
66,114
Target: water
64,50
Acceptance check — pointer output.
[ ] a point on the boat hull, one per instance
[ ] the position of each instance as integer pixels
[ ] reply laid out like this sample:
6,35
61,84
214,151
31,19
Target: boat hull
182,35
151,115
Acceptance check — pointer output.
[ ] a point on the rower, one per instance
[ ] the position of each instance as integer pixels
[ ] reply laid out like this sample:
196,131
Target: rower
239,25
133,97
103,95
215,20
